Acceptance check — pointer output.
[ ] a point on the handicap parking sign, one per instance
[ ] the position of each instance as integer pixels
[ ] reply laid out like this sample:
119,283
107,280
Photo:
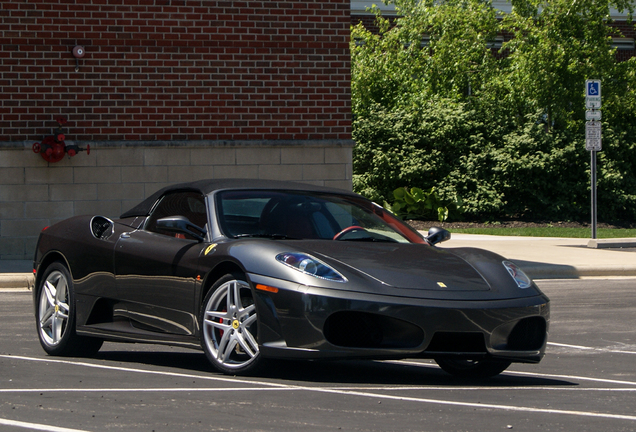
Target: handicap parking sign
593,88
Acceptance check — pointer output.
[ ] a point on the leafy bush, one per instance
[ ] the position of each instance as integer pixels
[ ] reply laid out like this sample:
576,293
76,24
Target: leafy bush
505,133
415,203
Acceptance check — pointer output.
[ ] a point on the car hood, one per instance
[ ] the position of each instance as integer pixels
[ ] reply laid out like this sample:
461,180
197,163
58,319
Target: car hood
405,266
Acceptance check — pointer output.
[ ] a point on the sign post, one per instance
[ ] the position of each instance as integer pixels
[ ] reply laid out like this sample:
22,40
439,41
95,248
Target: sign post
593,137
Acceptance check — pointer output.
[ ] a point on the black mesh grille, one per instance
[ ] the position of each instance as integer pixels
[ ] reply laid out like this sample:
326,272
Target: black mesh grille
527,335
457,342
368,330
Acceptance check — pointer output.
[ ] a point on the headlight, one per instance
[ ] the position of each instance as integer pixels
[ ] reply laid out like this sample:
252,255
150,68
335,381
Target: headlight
307,264
522,280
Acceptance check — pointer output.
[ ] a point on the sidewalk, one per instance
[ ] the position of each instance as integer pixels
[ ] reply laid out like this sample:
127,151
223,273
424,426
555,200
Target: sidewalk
539,257
557,258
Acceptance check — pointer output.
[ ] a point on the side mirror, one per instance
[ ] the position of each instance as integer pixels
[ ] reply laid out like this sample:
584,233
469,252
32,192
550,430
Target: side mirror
181,224
437,235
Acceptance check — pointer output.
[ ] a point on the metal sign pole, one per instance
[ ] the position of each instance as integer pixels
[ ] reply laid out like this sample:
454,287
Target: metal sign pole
593,189
593,137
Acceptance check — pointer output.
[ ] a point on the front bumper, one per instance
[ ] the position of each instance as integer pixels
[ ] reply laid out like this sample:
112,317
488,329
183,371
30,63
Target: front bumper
308,322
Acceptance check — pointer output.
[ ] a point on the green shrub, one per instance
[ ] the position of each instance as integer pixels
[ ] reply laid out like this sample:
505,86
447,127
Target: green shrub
416,204
505,133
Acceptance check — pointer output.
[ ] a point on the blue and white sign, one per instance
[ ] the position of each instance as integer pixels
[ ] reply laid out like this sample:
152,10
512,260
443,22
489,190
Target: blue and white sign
593,88
593,94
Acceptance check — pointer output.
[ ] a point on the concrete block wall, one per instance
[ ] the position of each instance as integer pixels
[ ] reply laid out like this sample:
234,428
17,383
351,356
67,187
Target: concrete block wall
168,91
35,194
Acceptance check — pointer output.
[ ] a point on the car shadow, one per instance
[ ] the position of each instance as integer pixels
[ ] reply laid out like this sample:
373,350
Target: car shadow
336,372
371,372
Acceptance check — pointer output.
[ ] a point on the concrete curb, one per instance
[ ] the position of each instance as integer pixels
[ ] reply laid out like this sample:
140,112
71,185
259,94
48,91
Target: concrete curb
16,280
549,271
540,258
25,281
612,243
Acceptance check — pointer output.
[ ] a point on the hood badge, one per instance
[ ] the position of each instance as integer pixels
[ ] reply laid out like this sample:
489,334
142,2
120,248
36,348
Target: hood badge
442,285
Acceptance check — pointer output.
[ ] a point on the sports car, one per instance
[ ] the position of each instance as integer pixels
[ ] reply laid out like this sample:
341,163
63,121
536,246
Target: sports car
254,270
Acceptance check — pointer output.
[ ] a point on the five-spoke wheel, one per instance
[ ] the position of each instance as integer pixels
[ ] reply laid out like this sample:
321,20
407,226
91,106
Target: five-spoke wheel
229,327
53,308
56,315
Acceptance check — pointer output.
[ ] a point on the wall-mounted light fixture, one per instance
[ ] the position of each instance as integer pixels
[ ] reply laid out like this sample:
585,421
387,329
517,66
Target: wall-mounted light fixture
78,53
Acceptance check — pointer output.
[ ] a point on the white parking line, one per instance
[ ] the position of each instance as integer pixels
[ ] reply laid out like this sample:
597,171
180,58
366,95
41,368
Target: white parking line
398,398
145,390
36,426
123,369
531,374
482,405
585,348
291,388
272,386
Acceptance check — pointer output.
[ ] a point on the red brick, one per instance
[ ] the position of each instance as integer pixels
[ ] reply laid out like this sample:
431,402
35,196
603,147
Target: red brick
151,62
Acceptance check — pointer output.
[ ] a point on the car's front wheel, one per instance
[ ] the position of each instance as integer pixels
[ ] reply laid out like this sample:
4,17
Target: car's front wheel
229,326
56,315
465,368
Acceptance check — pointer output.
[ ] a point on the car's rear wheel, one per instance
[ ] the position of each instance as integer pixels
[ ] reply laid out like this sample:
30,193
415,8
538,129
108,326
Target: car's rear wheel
465,368
229,326
56,315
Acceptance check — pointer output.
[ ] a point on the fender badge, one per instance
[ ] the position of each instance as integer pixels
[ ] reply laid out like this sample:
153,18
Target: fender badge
210,248
442,285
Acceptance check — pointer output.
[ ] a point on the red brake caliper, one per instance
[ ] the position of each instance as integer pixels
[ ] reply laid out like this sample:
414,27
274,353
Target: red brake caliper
221,322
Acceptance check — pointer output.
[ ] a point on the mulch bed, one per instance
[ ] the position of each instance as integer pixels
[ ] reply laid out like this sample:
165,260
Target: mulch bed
425,225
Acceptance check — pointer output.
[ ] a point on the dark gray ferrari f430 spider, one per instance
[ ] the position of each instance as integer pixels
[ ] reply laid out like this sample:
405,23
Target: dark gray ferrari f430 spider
249,270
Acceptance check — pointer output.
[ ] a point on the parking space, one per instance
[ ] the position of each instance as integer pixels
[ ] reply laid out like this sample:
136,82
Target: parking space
586,382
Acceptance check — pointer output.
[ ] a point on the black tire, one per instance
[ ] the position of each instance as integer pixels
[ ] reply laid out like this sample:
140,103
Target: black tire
55,315
229,328
464,368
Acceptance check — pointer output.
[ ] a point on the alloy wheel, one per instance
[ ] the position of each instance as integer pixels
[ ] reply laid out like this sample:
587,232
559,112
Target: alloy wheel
230,328
54,308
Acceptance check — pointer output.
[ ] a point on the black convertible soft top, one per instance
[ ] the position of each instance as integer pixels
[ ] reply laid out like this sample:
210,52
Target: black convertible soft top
207,186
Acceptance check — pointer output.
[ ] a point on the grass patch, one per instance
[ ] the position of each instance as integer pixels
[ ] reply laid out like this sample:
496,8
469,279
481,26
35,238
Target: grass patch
601,233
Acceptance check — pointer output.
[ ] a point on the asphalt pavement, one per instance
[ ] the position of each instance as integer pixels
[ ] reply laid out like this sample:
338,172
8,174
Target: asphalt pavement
539,257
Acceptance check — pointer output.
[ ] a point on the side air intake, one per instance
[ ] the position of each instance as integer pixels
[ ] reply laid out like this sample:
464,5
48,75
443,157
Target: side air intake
102,227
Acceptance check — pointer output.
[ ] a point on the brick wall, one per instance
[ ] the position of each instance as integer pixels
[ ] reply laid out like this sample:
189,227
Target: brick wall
626,30
168,91
176,70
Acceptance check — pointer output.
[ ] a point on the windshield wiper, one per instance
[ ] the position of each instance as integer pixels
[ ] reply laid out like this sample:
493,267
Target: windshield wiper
269,236
371,239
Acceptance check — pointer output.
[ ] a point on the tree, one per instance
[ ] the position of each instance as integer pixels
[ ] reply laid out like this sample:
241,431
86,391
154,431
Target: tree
434,48
434,105
556,45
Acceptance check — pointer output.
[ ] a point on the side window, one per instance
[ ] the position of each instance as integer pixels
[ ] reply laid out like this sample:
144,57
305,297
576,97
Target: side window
188,204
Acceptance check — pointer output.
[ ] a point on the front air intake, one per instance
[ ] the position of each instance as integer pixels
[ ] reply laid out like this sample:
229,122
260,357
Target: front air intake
354,329
527,335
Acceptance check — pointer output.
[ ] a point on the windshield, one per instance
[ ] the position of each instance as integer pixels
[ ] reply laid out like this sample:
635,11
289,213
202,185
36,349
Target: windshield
308,215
